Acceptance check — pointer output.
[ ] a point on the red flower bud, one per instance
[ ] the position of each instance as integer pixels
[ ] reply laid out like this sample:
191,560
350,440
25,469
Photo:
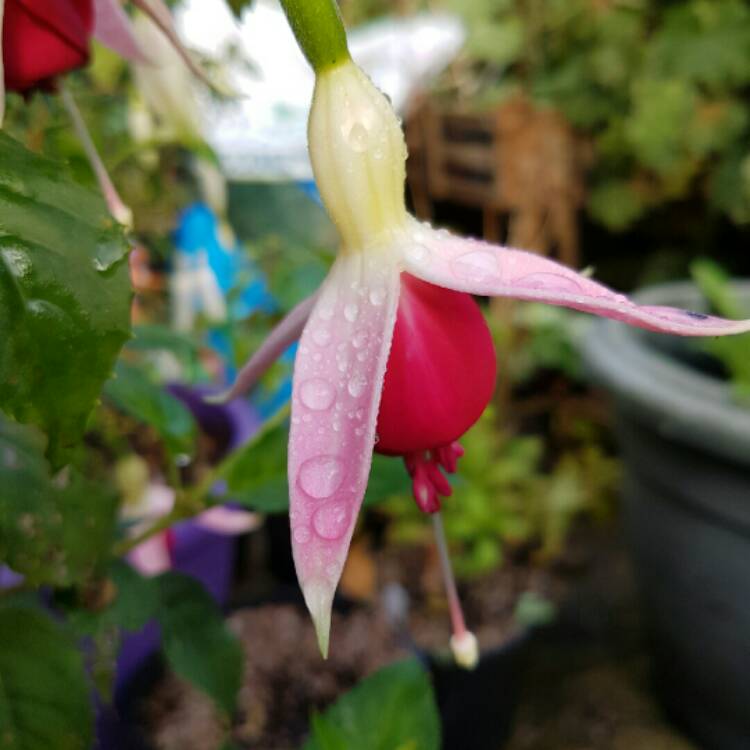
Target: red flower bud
43,39
441,370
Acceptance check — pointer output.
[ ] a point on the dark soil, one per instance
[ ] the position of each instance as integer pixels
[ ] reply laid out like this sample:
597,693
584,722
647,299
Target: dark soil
586,684
285,679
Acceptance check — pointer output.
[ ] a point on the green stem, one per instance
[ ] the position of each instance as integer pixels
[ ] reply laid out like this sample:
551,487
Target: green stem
162,524
319,31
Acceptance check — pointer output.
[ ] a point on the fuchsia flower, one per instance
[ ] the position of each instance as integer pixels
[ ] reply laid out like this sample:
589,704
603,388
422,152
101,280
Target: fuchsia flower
394,354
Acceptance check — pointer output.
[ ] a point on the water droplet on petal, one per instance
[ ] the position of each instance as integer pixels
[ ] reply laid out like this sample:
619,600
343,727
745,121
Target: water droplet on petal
322,336
321,476
326,309
552,281
416,252
359,339
377,296
476,265
351,312
331,521
358,137
342,362
356,385
317,394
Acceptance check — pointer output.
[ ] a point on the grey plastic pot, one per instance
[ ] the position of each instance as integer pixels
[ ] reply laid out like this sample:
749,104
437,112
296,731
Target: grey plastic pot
686,447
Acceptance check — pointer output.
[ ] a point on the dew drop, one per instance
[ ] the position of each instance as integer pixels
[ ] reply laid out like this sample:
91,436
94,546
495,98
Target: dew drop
351,312
331,521
476,265
325,312
356,385
377,296
359,339
553,281
322,336
317,394
358,137
362,356
416,252
321,476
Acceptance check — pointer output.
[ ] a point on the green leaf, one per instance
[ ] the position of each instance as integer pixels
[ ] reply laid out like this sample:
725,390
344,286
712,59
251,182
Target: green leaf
388,477
256,472
196,641
44,694
707,41
656,128
393,709
136,600
54,530
64,296
131,391
616,204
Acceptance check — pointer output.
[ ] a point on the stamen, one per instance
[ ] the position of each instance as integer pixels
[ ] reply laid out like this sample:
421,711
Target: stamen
119,211
463,642
428,483
276,343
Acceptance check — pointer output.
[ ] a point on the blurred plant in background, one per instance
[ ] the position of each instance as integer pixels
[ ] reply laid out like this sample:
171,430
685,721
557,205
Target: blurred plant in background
658,89
734,353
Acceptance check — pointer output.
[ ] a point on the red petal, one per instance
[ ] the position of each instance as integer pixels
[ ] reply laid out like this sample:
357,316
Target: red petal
441,370
43,39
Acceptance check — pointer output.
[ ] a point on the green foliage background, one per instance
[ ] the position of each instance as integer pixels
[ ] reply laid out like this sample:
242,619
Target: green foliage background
660,89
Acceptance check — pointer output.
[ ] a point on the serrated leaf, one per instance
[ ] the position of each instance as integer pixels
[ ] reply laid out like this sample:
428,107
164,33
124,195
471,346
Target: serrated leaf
55,530
196,641
44,694
131,391
393,709
64,296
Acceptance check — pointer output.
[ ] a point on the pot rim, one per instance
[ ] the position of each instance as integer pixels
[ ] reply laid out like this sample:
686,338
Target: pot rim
677,401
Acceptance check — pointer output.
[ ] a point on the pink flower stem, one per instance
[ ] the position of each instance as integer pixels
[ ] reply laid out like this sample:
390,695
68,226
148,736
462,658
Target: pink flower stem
454,603
119,211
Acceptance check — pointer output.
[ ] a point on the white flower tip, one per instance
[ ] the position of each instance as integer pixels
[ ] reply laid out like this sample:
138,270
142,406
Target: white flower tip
123,215
319,600
465,648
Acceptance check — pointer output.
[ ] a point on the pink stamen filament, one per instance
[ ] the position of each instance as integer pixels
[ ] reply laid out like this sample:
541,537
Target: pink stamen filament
280,338
458,623
119,211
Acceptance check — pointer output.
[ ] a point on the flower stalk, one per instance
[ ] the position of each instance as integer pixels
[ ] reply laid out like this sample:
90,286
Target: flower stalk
119,211
319,31
463,642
